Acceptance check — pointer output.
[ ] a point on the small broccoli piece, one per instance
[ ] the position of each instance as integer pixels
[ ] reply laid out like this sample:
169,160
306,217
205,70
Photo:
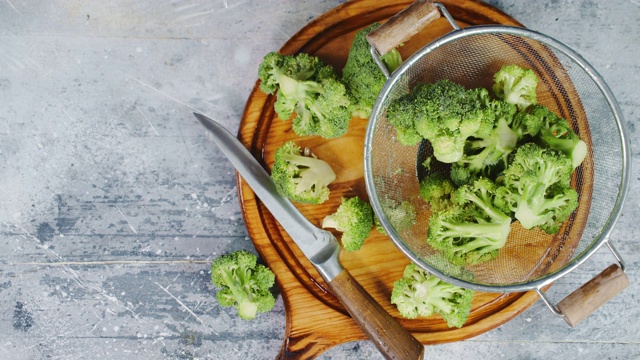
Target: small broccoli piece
309,88
436,189
418,293
244,284
400,215
362,76
472,231
301,178
354,219
516,86
537,188
556,133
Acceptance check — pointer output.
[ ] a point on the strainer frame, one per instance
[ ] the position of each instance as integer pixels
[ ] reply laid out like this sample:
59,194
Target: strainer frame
602,238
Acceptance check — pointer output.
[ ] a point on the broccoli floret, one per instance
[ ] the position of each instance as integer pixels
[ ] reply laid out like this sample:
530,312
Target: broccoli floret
419,293
400,215
537,188
436,189
244,284
516,86
445,113
401,115
472,231
556,133
309,88
354,219
487,154
362,76
299,177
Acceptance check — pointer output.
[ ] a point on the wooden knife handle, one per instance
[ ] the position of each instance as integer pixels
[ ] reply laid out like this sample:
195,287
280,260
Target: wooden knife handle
402,26
593,294
393,340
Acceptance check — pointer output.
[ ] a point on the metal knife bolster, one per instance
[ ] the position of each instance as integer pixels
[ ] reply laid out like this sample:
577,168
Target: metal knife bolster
318,245
326,260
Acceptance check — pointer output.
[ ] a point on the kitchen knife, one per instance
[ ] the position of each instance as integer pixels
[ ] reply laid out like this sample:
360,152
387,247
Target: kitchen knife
321,248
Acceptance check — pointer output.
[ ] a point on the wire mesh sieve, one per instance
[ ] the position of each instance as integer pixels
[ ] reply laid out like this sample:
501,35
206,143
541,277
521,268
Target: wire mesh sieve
568,86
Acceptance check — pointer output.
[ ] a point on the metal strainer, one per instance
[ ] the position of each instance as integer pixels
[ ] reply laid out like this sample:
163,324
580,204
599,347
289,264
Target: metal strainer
571,88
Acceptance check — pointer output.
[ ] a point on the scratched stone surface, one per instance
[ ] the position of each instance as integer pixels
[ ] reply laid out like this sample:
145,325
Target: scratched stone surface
113,202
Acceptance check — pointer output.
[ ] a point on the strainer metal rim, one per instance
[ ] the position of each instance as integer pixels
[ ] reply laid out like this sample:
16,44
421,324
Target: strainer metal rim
593,74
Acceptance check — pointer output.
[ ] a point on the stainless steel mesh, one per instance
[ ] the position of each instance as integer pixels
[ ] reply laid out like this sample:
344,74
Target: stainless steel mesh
570,88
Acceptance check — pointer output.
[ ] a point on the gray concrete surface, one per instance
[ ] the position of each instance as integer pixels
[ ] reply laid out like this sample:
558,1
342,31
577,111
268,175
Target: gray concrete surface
113,203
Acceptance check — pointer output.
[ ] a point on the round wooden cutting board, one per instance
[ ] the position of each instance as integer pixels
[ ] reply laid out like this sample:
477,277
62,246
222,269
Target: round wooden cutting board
315,319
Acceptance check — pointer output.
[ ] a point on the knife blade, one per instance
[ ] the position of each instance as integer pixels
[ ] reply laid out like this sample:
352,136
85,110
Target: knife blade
322,250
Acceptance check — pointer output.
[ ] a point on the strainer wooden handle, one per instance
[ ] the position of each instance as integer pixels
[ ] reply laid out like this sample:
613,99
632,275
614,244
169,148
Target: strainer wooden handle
402,26
393,340
593,294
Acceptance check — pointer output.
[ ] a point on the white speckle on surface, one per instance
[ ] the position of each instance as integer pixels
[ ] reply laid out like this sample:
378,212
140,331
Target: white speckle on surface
138,49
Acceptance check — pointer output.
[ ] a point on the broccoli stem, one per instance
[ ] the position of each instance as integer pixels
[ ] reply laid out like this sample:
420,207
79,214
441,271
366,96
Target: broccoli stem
309,162
298,89
330,222
494,214
507,138
528,212
474,230
575,149
247,309
238,284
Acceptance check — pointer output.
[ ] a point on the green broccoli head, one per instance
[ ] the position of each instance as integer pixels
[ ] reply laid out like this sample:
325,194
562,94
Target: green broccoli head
401,115
418,293
243,283
475,229
516,85
354,219
362,76
557,134
536,188
436,189
301,178
445,113
308,88
328,115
